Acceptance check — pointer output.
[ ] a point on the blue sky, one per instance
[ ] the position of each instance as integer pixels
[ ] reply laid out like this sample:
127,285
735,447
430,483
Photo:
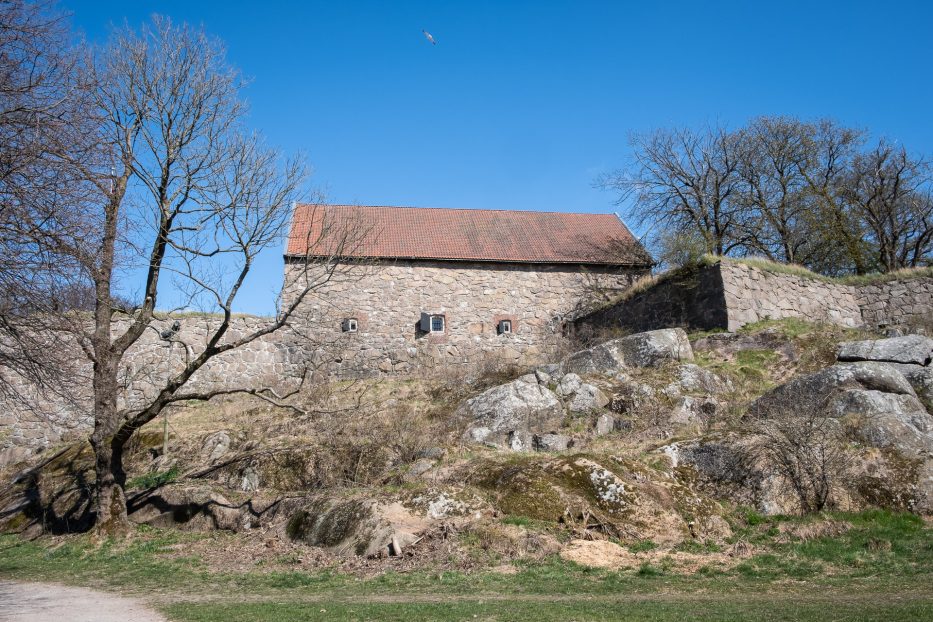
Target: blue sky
520,105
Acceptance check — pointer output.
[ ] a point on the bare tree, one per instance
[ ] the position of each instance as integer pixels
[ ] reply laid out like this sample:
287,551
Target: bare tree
685,181
46,122
797,436
891,192
807,450
843,248
773,157
198,197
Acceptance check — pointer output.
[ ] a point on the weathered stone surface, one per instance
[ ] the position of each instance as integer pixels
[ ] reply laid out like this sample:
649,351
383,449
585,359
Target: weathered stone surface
586,399
478,434
921,379
814,391
605,424
249,480
215,445
647,349
888,420
876,395
552,442
924,498
420,467
688,410
605,358
189,507
516,405
362,527
521,440
652,348
912,349
694,379
568,385
543,377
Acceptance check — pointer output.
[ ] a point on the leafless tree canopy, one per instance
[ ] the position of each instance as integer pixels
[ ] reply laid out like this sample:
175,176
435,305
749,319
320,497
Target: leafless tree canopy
46,123
813,193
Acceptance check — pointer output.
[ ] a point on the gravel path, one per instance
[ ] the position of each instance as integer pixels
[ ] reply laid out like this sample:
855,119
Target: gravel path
44,602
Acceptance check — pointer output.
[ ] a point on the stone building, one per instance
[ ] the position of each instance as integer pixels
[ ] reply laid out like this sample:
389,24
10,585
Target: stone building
428,286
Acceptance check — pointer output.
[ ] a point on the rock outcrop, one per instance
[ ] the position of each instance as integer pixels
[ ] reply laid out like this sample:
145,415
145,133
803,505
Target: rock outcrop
911,355
874,397
363,527
910,349
515,406
648,349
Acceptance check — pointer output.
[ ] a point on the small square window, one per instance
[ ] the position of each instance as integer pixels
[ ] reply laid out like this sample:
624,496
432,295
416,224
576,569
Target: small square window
437,323
350,325
505,327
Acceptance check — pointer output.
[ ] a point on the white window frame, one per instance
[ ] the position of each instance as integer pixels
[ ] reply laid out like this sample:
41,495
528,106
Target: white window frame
351,325
443,327
502,327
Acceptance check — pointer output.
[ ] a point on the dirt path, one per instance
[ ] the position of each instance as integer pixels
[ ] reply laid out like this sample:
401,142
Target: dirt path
46,602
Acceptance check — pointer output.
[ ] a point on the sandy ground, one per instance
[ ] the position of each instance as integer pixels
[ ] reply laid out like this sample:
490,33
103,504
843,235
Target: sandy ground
44,602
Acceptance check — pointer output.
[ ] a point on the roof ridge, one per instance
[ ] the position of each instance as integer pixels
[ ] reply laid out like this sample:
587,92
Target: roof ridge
461,209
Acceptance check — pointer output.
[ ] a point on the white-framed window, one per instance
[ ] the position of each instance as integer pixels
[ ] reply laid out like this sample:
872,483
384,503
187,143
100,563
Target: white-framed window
350,325
505,327
432,323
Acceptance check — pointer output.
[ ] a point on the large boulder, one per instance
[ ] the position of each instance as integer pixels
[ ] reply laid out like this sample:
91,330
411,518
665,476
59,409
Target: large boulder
693,379
514,406
568,385
911,349
194,508
605,358
874,397
655,347
587,398
357,526
648,349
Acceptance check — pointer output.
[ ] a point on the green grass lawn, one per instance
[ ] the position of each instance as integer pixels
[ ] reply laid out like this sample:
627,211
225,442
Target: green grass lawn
879,569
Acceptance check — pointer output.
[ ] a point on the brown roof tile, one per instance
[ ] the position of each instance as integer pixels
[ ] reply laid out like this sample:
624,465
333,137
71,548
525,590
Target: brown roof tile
463,235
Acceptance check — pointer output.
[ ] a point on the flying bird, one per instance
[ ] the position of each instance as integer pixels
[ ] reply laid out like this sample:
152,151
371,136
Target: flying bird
429,37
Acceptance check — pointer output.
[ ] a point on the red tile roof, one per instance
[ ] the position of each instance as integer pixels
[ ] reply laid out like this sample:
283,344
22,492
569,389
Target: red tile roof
462,235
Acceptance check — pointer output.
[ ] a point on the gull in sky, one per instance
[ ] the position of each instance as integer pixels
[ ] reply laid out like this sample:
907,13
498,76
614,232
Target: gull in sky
429,37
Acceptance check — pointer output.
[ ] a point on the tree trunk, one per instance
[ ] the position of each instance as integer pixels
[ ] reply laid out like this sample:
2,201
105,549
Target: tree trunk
110,501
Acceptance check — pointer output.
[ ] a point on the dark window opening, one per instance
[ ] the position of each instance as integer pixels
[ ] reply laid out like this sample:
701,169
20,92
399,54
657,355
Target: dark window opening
505,327
350,325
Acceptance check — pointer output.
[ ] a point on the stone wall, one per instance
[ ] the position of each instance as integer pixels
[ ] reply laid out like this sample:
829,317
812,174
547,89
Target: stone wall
692,299
898,303
388,300
730,294
38,418
752,294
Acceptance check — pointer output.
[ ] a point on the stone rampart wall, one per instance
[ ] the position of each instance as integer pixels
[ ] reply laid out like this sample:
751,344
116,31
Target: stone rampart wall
41,417
900,303
752,294
730,294
692,300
